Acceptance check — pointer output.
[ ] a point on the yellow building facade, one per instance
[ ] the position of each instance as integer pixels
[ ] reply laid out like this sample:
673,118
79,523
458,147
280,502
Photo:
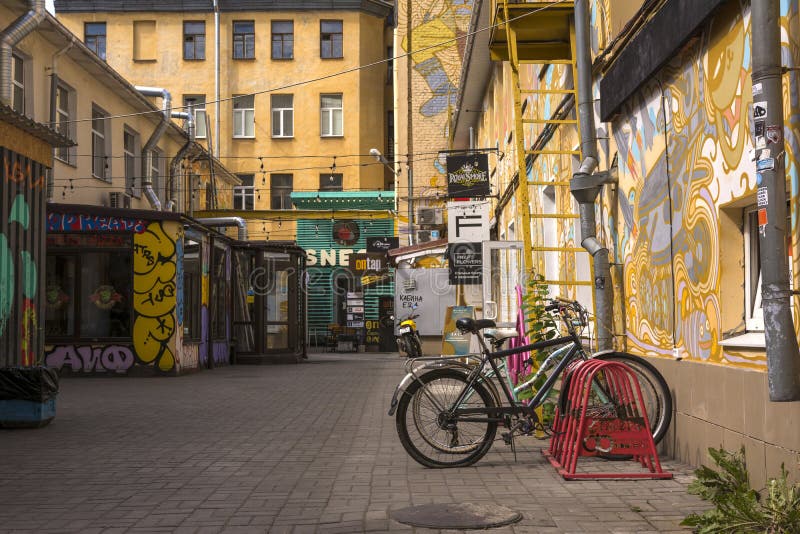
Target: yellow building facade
295,102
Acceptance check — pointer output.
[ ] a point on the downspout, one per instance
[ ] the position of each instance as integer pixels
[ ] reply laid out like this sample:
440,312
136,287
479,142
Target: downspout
12,35
783,360
228,221
216,78
149,147
585,186
174,166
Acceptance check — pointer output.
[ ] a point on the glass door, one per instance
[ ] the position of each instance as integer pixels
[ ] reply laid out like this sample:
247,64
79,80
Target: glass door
502,272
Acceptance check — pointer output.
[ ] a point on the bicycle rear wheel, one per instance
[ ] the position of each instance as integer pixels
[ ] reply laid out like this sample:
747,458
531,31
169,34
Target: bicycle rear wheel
428,432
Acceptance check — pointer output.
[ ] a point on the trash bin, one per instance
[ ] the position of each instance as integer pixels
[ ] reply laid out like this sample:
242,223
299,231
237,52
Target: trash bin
27,396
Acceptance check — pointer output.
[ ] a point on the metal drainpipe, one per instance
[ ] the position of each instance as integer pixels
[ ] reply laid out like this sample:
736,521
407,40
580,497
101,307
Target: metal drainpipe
216,78
228,221
147,150
11,36
174,166
585,186
783,360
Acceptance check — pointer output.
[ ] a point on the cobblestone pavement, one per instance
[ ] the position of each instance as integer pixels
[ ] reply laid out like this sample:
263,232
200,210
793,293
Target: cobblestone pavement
284,448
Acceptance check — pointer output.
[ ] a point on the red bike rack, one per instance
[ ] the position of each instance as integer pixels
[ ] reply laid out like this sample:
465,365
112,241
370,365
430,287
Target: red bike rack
618,428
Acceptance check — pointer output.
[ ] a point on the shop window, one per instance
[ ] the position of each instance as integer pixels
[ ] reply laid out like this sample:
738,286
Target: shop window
198,103
88,288
282,115
281,186
244,116
330,39
194,40
192,290
101,144
331,116
218,294
244,40
145,40
66,106
95,38
331,181
244,195
282,39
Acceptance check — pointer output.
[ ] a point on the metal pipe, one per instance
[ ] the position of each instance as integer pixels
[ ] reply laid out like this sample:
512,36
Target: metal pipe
586,193
10,37
783,360
216,78
149,147
228,221
410,203
174,165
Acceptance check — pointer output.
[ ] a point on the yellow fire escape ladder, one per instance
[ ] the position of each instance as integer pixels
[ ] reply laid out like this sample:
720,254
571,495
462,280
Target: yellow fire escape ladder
543,33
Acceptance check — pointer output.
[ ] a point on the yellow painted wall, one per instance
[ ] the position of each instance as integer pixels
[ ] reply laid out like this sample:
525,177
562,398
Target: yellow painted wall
307,154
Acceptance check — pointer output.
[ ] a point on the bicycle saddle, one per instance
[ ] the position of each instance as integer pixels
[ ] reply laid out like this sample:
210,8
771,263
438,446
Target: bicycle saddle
467,324
500,334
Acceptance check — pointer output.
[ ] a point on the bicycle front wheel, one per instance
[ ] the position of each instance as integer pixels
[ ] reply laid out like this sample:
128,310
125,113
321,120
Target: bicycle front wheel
655,392
431,434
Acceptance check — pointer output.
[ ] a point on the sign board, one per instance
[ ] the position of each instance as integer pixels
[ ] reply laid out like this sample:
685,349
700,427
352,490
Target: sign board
453,341
465,263
468,176
468,222
430,291
355,309
382,244
374,262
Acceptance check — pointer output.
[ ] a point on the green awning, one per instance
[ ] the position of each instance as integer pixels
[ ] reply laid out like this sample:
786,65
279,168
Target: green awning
359,200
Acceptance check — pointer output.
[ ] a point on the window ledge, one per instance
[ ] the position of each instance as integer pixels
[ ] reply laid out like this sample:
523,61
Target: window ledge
754,340
153,60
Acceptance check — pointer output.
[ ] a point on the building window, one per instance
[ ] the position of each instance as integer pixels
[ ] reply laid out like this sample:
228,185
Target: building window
66,104
330,39
390,134
88,286
194,40
219,293
389,65
244,195
281,186
244,40
95,38
130,151
145,40
18,83
156,173
198,103
101,143
331,117
244,116
282,39
282,115
330,182
754,314
192,291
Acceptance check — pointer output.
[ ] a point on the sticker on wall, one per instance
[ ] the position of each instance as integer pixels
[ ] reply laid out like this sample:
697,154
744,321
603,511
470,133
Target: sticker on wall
760,110
759,178
757,89
774,134
762,218
763,197
761,142
765,164
759,128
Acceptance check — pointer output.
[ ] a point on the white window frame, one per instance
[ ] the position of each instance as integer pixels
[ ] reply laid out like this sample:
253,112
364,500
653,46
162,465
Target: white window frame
283,118
63,125
199,112
18,86
132,162
241,193
241,117
156,172
326,116
101,138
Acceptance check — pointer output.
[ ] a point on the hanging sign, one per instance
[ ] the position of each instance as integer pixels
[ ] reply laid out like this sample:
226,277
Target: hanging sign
468,222
466,263
382,244
468,176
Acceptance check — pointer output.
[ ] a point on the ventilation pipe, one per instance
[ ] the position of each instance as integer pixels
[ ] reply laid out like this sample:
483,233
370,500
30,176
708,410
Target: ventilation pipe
783,361
149,147
585,185
228,221
174,166
9,38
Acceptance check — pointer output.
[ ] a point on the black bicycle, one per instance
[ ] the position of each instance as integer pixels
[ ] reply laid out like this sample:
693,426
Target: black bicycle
448,408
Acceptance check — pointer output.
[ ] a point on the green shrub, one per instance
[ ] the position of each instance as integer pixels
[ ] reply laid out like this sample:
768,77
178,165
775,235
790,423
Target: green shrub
737,507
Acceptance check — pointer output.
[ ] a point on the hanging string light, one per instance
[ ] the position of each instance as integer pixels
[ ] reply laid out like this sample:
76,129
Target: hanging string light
263,172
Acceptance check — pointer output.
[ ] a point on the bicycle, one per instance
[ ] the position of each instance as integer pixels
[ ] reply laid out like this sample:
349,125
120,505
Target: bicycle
447,410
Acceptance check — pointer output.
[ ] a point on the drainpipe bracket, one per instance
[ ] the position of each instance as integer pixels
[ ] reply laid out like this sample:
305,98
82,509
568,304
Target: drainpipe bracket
585,187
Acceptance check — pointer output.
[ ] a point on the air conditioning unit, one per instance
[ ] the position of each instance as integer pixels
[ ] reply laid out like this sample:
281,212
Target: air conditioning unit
117,199
431,216
424,236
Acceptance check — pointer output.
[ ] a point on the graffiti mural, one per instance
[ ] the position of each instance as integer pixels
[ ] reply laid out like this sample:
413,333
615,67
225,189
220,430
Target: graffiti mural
154,299
62,222
91,359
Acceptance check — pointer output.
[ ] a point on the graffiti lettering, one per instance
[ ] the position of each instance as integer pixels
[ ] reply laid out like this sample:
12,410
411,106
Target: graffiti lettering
60,222
111,358
21,171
